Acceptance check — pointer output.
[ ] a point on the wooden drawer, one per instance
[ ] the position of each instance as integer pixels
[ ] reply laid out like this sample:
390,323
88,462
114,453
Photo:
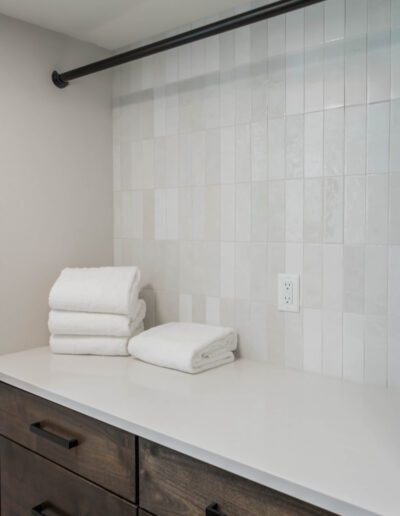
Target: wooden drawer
33,485
174,484
101,453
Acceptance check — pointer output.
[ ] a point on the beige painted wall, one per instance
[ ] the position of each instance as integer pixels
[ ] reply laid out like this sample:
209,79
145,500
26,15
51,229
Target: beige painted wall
55,174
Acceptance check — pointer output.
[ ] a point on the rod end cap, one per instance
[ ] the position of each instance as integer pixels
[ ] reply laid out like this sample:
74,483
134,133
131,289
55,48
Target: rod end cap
56,78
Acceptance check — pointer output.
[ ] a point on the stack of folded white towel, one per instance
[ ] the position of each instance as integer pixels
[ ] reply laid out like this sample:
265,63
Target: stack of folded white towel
188,347
95,311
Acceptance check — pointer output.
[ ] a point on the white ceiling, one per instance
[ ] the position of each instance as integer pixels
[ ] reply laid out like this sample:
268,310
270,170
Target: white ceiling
114,23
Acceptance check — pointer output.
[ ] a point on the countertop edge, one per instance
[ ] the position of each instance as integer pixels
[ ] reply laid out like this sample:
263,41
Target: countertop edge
268,480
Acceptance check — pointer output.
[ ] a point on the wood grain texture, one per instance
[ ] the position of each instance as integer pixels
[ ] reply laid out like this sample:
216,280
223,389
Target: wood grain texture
173,484
105,455
29,480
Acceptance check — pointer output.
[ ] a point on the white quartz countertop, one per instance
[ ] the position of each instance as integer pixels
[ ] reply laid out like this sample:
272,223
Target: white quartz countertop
331,443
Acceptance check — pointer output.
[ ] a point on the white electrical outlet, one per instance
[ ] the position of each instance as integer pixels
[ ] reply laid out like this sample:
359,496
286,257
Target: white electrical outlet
288,292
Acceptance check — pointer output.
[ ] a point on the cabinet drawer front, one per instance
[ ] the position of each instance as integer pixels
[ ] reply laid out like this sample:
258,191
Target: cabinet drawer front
31,484
174,484
94,450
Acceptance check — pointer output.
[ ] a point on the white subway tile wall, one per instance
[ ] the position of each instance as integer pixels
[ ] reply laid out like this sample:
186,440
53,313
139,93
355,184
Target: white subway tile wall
272,148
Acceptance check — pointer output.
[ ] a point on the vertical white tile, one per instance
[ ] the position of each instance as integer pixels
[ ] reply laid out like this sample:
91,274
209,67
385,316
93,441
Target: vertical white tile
395,49
313,203
185,214
334,142
333,277
355,139
228,270
242,153
313,144
312,276
198,166
276,148
353,278
356,52
198,213
259,211
227,155
353,347
334,74
276,66
132,215
160,214
227,98
212,310
243,86
275,335
394,351
294,145
259,154
333,209
375,371
295,62
243,212
276,211
172,213
395,134
243,327
378,137
334,20
242,45
377,209
213,157
228,212
242,270
258,348
376,279
394,280
294,210
258,268
314,58
312,327
332,345
212,202
354,210
394,213
294,340
276,264
148,163
378,50
185,307
185,160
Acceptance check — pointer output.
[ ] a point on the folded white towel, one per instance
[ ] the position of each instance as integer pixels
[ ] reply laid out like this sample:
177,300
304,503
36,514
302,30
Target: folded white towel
86,345
188,347
110,290
86,323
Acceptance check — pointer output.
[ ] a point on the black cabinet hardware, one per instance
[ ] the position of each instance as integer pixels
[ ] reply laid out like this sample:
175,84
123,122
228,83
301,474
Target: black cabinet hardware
212,510
37,429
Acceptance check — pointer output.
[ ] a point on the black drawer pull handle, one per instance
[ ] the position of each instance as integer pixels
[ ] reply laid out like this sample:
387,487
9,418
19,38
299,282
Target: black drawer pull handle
212,510
38,510
37,429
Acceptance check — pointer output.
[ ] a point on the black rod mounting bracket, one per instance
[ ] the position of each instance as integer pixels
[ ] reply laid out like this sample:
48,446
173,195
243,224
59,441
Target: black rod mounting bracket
61,80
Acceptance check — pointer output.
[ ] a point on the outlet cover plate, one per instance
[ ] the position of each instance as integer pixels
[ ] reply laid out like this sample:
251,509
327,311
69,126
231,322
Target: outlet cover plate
289,292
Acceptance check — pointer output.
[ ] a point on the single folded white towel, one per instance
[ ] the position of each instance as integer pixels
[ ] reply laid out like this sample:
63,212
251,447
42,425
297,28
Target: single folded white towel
110,290
188,347
87,345
85,323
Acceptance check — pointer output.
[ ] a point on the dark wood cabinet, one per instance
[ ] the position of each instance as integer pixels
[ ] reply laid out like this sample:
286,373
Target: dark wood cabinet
33,485
103,454
64,463
173,484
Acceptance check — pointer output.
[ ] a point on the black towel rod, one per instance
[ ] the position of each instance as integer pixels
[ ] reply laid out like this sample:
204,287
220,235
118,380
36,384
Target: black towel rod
61,80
